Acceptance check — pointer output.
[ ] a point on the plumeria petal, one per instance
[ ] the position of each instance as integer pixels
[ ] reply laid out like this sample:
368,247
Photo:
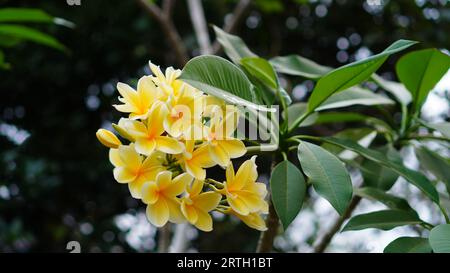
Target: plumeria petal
207,201
204,221
189,212
176,216
178,184
234,147
145,146
219,155
163,180
114,158
169,145
158,213
150,193
123,175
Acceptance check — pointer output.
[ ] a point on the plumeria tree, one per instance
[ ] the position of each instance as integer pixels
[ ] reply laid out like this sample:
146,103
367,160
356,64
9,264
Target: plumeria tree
182,122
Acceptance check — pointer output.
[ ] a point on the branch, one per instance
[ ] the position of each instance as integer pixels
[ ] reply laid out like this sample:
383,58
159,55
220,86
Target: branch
164,238
199,23
328,236
179,240
167,26
230,27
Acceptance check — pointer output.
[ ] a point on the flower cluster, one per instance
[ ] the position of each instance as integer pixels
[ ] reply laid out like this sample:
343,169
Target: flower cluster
175,132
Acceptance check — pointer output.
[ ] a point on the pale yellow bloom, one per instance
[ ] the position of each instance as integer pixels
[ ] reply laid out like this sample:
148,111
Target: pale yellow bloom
221,145
195,205
133,169
108,138
161,198
149,134
139,102
244,194
253,220
195,160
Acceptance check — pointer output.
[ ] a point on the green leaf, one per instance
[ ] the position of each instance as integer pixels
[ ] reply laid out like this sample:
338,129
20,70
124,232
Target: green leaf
263,71
296,110
15,15
288,191
408,245
414,177
352,74
442,127
383,219
398,90
220,78
335,117
363,136
327,174
440,239
420,71
378,176
435,164
233,46
391,201
298,66
353,96
30,34
3,65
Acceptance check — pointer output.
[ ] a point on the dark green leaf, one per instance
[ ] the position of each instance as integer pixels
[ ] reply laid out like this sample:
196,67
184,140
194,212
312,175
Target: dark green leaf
26,33
299,66
383,219
352,74
408,245
391,201
335,117
435,164
220,78
416,178
420,71
378,176
363,136
327,174
353,96
440,239
288,191
16,15
234,47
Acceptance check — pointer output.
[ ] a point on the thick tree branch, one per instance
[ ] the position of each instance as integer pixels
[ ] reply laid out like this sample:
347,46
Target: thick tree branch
200,27
239,12
167,26
328,236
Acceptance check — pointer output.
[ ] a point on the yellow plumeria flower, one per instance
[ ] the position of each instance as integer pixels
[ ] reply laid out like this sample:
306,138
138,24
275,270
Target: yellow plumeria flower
184,111
253,220
160,196
196,205
133,169
137,103
243,193
168,83
221,145
149,134
108,138
195,160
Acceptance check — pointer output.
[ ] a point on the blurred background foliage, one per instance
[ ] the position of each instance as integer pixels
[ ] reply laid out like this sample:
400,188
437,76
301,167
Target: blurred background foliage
56,183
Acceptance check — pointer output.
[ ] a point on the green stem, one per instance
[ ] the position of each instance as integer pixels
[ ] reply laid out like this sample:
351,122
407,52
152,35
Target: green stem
444,212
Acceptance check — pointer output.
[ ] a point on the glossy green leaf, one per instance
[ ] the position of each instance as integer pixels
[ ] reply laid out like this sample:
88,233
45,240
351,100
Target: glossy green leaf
327,174
408,245
440,239
435,164
263,71
26,33
335,117
353,96
414,177
352,74
233,46
16,15
288,191
3,64
220,78
298,66
296,110
420,71
391,201
378,176
363,136
398,90
383,219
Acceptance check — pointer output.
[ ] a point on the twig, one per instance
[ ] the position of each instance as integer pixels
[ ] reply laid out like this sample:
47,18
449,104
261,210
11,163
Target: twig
239,12
199,23
167,26
328,236
164,239
265,243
